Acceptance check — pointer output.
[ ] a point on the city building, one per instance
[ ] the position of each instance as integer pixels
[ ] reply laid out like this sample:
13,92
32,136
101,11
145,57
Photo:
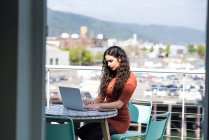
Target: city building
55,56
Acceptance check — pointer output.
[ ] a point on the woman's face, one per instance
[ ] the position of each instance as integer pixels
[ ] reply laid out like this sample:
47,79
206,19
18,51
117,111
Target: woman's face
112,62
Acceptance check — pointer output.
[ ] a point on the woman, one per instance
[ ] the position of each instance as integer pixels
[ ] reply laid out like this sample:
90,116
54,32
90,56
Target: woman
116,88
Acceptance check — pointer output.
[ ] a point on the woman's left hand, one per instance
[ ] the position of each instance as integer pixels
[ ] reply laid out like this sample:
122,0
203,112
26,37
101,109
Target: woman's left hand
95,105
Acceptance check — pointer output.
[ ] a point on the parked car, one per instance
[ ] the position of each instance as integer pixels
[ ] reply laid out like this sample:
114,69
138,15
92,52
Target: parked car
191,94
172,90
148,92
161,92
55,96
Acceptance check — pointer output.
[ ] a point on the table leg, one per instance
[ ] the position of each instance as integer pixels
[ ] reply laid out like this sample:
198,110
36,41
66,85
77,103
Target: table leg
105,129
76,126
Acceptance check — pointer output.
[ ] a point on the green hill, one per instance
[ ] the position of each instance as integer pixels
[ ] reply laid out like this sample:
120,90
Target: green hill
59,22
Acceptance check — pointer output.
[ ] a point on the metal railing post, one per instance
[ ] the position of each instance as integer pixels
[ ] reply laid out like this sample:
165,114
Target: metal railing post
183,108
48,93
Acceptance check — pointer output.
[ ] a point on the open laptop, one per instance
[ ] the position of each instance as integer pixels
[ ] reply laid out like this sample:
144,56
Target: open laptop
71,98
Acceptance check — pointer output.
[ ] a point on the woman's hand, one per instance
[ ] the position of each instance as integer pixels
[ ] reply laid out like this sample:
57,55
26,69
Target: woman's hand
87,102
94,105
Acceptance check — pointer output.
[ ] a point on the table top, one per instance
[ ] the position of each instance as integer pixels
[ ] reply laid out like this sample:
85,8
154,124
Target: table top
59,110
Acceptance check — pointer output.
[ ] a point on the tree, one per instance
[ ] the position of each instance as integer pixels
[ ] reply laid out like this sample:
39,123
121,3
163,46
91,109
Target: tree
87,57
161,51
191,49
151,49
167,50
80,55
99,56
201,50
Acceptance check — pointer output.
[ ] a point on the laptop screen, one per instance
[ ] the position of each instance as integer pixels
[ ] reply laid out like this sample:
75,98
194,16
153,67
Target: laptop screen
71,98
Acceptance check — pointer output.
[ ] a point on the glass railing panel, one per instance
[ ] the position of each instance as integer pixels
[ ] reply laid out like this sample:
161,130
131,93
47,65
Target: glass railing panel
180,92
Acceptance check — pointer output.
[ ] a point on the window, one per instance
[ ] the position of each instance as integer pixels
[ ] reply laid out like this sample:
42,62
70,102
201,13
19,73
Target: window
57,61
51,61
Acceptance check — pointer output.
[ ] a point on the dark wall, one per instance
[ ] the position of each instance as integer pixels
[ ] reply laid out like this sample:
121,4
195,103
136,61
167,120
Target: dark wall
22,69
8,68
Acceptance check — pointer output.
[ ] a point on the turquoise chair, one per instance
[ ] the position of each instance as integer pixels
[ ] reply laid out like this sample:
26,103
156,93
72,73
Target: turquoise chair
59,131
140,112
156,128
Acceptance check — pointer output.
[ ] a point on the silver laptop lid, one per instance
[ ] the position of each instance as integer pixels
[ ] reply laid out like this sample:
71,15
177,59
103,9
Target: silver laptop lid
71,98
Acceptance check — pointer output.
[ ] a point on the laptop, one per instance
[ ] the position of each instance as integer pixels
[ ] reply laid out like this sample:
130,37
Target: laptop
71,98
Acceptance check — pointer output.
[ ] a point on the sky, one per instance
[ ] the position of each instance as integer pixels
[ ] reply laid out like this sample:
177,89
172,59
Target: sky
186,13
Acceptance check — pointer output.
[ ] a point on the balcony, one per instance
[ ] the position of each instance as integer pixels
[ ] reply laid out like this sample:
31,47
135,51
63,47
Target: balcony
177,91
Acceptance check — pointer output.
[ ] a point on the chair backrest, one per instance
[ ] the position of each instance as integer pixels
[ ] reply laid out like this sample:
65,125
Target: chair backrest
59,131
140,110
157,126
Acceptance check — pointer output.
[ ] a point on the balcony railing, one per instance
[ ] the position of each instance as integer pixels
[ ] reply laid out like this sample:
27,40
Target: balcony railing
177,91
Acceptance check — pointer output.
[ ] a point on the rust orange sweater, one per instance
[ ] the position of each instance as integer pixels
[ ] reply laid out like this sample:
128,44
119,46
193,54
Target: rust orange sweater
121,122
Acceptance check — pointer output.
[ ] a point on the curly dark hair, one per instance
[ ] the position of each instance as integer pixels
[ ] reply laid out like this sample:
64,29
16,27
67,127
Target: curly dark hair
122,73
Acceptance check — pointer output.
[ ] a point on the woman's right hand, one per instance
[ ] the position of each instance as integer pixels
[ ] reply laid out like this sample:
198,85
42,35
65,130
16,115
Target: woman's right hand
87,102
